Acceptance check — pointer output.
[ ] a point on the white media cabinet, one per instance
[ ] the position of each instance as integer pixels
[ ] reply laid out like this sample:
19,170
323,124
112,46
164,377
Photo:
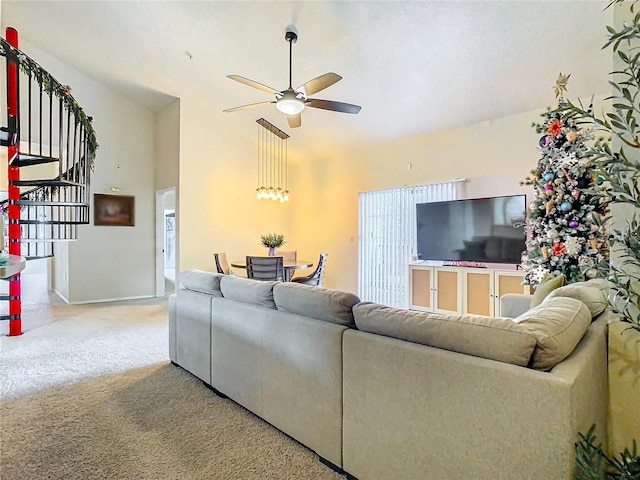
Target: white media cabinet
461,290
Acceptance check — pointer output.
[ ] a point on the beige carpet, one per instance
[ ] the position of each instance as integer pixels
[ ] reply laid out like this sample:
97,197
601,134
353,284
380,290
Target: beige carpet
93,396
157,422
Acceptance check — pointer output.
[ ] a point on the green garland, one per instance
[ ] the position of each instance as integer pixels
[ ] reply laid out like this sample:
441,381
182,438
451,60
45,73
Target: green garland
53,87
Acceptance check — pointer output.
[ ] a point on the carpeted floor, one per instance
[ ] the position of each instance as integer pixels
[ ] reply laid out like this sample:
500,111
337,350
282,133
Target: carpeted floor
93,396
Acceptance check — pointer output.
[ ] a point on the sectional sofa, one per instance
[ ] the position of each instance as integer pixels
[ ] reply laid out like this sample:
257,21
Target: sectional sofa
384,393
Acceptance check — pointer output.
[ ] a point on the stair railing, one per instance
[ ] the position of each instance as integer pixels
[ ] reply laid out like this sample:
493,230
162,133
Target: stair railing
49,135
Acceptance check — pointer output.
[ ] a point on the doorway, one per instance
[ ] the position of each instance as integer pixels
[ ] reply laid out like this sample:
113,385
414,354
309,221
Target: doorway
166,242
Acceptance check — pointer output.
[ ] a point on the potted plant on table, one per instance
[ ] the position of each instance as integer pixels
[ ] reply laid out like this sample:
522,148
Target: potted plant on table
272,241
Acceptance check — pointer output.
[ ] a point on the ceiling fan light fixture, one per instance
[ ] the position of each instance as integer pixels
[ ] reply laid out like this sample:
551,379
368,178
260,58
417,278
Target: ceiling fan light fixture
290,105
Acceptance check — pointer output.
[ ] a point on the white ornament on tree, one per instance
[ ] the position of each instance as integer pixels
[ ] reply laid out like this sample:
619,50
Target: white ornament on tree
573,245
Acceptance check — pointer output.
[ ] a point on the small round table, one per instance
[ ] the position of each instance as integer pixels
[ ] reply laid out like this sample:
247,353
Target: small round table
289,266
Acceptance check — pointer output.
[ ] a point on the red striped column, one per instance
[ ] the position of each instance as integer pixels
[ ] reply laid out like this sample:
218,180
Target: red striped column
15,303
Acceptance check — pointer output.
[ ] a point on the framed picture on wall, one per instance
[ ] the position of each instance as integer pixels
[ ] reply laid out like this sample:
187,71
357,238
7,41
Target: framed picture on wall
113,210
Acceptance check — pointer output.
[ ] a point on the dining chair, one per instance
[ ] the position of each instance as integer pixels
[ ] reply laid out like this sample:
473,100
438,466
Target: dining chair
291,255
317,276
222,265
265,268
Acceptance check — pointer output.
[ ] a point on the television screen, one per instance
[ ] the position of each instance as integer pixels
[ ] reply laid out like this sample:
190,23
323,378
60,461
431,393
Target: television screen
481,230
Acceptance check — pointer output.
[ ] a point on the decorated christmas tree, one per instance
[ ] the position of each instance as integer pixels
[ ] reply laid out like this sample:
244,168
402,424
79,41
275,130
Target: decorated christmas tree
566,235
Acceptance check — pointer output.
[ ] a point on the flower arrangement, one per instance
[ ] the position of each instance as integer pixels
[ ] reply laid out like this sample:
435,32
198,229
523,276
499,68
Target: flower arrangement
272,240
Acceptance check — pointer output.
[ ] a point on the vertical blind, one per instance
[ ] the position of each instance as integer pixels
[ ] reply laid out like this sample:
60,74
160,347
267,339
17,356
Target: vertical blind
387,238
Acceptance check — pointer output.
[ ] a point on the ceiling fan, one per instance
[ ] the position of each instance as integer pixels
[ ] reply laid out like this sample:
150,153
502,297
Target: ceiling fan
292,101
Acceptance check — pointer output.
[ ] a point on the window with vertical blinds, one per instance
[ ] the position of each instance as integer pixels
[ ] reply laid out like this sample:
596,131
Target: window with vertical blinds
387,238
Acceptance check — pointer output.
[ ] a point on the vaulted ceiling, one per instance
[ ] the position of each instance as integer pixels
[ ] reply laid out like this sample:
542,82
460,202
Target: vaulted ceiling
414,67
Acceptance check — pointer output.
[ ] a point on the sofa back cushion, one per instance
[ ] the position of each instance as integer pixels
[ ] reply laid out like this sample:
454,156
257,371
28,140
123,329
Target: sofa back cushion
493,338
325,304
558,324
201,281
257,292
592,293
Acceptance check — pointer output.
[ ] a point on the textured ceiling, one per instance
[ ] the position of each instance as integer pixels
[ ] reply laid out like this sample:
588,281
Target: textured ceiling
414,67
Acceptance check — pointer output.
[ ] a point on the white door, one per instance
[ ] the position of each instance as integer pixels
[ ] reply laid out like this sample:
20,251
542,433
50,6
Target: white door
166,242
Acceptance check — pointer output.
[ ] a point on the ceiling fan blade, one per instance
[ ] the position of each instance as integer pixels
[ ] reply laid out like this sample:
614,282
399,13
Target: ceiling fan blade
319,83
294,121
253,84
331,105
246,107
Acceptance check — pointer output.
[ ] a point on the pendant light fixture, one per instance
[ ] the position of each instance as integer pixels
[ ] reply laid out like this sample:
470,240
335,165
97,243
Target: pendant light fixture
272,162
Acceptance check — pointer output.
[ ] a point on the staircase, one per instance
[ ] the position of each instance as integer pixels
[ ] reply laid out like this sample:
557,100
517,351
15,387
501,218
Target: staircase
50,148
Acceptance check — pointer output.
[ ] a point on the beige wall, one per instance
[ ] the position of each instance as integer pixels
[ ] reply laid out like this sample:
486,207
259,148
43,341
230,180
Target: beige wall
167,147
217,203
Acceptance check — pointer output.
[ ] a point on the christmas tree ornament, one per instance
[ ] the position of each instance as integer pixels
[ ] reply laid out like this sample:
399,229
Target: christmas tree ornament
594,243
573,246
566,206
538,274
549,207
545,141
560,88
545,252
585,261
576,194
555,128
571,136
574,224
558,249
548,176
548,187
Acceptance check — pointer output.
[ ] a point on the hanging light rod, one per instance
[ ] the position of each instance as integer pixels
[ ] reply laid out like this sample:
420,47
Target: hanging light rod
272,128
272,162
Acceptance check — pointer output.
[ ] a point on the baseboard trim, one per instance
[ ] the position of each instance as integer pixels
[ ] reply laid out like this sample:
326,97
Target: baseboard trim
106,300
214,390
335,468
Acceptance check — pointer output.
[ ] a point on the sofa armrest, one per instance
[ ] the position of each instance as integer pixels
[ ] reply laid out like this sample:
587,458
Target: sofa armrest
513,305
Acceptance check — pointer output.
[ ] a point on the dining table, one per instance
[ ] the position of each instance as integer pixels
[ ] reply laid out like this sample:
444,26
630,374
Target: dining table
289,266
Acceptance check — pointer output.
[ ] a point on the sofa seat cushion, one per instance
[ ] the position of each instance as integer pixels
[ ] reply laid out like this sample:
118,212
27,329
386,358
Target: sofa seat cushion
256,292
592,293
201,281
325,304
558,324
493,338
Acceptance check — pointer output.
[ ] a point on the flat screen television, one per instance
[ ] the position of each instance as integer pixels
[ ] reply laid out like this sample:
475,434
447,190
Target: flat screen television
489,230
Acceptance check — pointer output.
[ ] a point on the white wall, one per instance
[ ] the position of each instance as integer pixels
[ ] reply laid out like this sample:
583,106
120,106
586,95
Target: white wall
111,262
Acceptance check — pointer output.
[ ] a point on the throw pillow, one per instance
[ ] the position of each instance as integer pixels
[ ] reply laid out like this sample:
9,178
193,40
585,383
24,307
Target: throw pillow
587,293
548,284
558,326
